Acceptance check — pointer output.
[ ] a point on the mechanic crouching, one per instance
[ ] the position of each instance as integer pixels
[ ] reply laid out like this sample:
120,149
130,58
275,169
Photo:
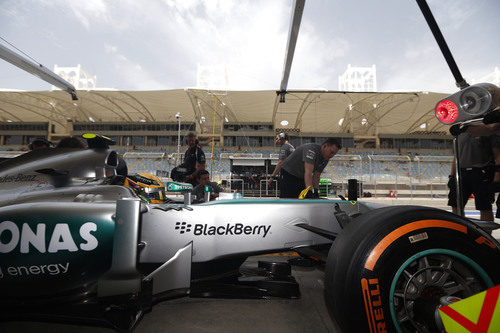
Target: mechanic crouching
203,178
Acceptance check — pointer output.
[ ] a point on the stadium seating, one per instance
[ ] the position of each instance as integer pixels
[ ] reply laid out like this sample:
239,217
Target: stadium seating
366,169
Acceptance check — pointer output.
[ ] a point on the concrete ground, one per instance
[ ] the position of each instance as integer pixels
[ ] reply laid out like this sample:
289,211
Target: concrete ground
307,314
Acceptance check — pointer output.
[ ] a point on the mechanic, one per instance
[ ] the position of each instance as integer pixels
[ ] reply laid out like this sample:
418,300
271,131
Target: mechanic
285,151
492,130
304,166
476,170
194,159
203,178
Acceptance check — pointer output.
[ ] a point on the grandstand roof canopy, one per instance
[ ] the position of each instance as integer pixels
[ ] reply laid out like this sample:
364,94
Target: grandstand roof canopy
312,112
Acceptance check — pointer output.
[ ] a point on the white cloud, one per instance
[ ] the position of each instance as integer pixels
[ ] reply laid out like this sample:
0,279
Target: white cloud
251,42
417,51
89,10
131,74
110,48
316,58
453,14
248,40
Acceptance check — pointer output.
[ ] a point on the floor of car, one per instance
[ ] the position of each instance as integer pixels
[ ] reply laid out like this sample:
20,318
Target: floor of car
307,314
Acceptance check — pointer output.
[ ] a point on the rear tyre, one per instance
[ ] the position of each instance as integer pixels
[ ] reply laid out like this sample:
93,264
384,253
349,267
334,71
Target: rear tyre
389,268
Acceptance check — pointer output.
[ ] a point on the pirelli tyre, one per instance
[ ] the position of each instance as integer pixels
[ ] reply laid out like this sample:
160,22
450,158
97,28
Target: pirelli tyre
391,268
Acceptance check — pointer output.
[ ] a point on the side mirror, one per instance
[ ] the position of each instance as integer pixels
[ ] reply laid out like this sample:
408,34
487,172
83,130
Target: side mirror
471,102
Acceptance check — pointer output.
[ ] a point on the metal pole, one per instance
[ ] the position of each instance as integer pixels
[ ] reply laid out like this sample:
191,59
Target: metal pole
267,172
293,33
213,139
419,170
371,175
396,185
460,208
179,139
37,69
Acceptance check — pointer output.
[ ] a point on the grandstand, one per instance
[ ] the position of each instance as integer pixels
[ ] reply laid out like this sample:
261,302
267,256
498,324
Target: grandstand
391,141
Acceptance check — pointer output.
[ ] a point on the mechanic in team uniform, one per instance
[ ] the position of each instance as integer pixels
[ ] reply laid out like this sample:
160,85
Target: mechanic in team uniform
304,166
285,151
203,178
194,159
476,170
492,129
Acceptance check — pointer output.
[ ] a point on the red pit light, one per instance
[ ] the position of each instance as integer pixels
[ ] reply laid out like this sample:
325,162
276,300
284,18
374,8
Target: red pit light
446,111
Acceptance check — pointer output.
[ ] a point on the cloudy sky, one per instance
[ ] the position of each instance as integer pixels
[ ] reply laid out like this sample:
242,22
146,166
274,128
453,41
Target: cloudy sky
159,44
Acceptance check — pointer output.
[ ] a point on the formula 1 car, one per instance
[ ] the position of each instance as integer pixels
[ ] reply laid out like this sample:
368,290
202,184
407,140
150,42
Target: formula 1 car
75,246
95,252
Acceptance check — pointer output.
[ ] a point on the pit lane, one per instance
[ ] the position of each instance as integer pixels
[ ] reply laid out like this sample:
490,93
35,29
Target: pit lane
307,314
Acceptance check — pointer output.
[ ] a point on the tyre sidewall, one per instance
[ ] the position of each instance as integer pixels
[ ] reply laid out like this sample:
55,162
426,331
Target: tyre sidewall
347,277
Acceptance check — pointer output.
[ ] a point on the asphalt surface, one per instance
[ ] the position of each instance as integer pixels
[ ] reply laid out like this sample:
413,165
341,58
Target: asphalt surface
307,314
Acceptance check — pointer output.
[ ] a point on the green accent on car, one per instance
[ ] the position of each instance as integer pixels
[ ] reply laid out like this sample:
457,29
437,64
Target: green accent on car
265,201
167,206
478,269
179,187
207,188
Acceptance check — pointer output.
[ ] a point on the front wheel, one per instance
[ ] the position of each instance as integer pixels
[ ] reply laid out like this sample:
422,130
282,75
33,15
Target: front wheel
391,268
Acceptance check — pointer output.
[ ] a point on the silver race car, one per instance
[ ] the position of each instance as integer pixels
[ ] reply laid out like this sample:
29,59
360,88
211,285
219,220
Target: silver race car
77,245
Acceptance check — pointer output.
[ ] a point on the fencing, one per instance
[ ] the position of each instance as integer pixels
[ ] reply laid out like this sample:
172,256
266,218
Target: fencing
400,175
148,162
433,168
343,167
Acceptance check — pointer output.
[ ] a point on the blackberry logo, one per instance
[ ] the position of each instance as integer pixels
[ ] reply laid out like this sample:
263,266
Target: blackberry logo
183,227
222,230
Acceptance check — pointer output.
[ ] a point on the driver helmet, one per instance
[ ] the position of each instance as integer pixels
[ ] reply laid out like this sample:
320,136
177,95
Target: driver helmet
148,187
